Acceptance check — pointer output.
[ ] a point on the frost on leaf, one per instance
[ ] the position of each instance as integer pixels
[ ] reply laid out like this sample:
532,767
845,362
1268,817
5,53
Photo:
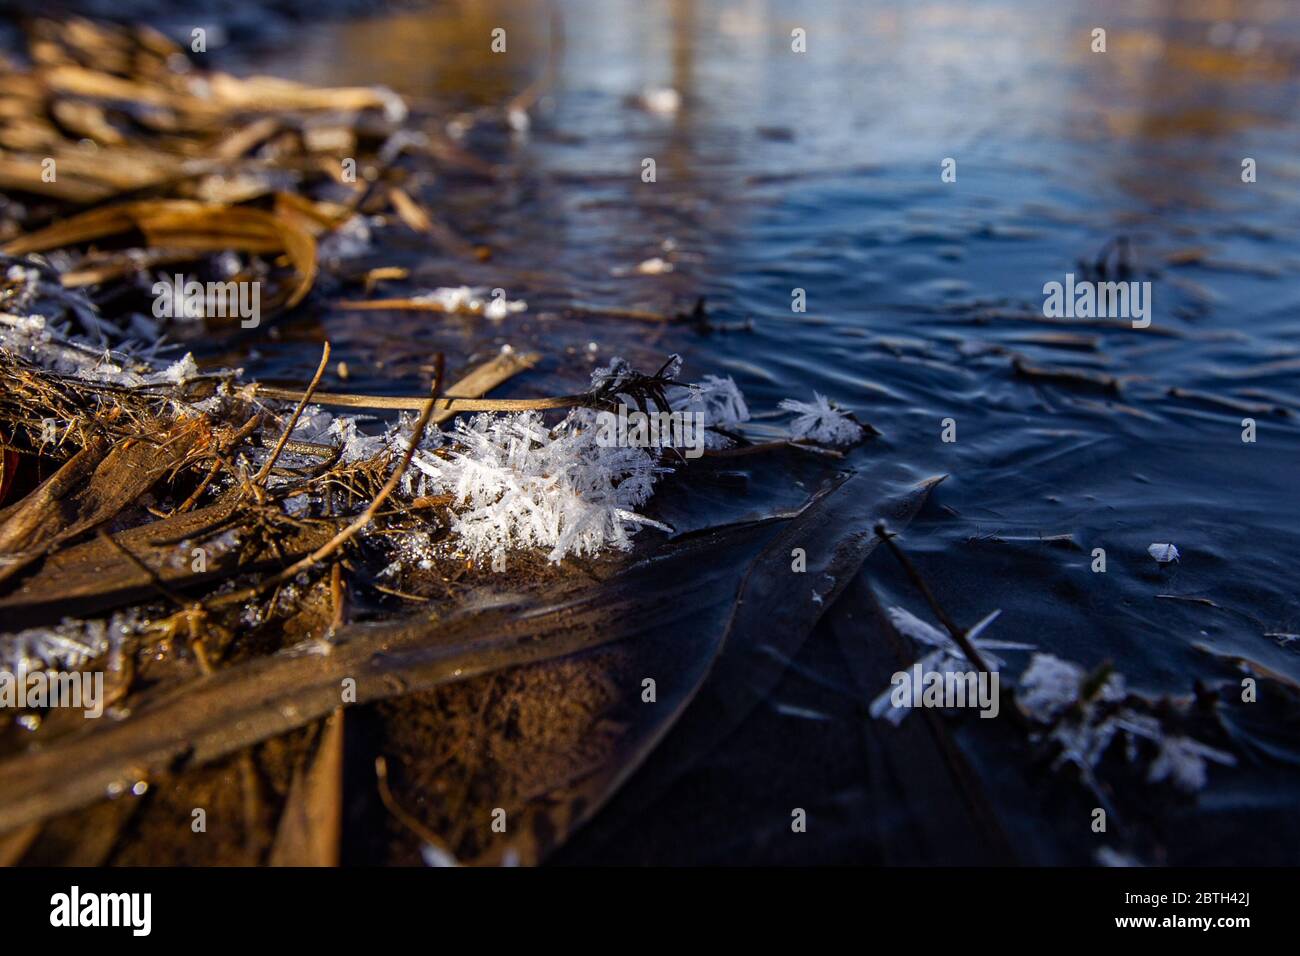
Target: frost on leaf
821,422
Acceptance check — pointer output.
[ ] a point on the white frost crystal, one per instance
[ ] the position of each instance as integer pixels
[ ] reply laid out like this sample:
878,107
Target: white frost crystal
1181,761
718,399
821,422
1164,553
67,646
348,241
1049,685
177,373
946,658
518,484
357,446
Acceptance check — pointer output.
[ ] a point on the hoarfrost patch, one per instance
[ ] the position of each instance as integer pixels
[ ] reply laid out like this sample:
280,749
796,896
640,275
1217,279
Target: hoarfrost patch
517,483
946,658
821,422
1051,694
66,646
718,399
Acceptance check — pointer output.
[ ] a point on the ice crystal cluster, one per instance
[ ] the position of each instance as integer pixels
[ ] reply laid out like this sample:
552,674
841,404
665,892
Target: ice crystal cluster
67,646
61,330
1051,687
44,342
821,422
717,398
1050,694
945,656
516,483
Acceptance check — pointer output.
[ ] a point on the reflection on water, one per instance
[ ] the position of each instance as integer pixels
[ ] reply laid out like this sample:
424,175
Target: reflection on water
821,171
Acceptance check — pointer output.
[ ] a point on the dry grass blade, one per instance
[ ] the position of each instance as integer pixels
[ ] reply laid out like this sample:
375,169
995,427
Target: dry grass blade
311,824
180,224
463,396
958,634
89,578
87,491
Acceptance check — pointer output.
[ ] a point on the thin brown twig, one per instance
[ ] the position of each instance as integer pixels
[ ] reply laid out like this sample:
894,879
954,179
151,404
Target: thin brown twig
261,476
390,803
203,486
958,635
218,462
527,98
